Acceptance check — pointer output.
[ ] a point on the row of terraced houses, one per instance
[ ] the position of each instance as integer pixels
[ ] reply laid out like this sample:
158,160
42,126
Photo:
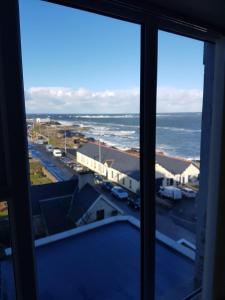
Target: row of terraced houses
124,168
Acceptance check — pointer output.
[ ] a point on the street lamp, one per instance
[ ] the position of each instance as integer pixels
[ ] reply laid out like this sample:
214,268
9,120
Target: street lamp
65,140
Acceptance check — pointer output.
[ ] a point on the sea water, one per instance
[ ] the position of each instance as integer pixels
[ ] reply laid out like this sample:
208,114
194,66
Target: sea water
177,134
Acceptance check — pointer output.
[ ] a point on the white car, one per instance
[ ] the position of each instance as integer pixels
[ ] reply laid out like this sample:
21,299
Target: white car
188,193
57,153
119,192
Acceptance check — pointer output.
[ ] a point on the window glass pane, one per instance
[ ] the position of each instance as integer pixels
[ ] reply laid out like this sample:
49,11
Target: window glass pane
81,81
178,139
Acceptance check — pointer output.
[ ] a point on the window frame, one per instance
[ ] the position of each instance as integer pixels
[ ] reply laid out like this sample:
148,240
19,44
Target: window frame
17,181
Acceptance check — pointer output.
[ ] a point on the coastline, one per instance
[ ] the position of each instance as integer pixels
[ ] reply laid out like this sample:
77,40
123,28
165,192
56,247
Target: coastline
122,140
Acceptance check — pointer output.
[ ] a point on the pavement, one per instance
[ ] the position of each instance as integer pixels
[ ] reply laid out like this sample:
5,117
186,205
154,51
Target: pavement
164,221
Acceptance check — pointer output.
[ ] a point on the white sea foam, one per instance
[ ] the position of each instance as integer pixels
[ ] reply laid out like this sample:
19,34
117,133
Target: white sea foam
178,129
65,123
106,116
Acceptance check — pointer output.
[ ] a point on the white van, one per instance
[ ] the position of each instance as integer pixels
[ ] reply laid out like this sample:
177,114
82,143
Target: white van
57,153
170,192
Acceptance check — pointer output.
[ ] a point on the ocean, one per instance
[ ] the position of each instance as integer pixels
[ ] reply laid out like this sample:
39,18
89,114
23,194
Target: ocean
177,134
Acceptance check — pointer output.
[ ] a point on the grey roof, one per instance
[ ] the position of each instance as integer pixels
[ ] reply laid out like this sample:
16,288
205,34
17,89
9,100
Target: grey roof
121,161
55,213
51,190
172,164
82,201
130,164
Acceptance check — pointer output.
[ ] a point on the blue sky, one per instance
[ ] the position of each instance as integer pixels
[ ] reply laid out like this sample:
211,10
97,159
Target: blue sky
74,60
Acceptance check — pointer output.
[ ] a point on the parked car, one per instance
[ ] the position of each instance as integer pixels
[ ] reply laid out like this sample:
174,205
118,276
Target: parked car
39,142
78,167
106,185
49,148
134,202
57,153
29,154
170,192
98,178
188,193
119,193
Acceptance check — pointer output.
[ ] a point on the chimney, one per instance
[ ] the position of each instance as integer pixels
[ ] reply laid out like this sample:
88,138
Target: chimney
84,178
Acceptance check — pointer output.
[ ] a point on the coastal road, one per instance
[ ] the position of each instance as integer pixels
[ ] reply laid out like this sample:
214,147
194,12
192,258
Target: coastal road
53,164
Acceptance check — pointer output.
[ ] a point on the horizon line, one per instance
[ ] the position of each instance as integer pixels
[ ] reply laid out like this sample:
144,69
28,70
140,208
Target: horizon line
119,113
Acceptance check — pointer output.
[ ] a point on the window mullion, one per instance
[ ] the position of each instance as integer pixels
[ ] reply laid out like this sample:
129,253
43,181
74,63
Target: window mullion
12,108
148,86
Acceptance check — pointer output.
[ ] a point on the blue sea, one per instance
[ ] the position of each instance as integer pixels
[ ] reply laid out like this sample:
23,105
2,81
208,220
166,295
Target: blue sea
177,134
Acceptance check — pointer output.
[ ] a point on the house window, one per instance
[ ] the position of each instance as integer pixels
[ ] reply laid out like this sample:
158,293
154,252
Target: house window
123,181
130,184
112,174
100,214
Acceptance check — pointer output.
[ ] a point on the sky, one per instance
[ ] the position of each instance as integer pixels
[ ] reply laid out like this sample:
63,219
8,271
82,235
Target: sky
79,62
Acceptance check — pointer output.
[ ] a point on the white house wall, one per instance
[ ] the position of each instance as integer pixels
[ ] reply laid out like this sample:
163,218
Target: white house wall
100,204
191,171
110,173
130,183
123,180
165,172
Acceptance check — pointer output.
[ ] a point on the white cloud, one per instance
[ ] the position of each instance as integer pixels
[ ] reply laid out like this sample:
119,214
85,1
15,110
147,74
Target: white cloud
68,100
170,99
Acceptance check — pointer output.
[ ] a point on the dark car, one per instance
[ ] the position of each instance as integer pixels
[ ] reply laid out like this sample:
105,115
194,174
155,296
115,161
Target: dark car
107,185
134,202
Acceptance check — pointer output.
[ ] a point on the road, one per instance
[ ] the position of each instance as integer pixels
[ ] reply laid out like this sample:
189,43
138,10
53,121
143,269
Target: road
164,222
51,163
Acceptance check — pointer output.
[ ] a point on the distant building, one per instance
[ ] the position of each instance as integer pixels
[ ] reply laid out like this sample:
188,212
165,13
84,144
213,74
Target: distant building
115,165
176,170
124,168
42,120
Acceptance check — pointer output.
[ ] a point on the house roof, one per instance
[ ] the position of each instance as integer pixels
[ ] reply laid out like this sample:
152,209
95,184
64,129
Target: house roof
121,161
130,164
82,201
55,213
51,190
173,164
103,263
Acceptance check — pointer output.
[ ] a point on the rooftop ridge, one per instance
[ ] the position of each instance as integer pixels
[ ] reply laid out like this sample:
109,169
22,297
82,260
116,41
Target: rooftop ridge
114,149
138,156
175,157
